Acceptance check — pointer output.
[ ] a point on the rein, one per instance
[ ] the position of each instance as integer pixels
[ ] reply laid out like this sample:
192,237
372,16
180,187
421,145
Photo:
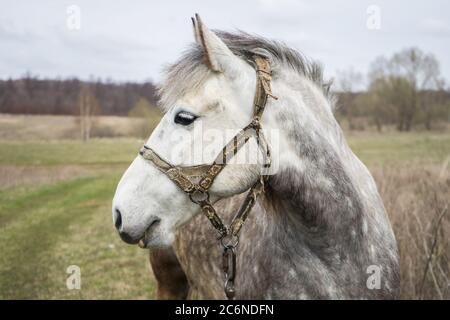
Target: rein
196,180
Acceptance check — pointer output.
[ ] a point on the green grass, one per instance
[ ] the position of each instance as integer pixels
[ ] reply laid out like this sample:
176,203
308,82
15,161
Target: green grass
46,228
96,151
393,148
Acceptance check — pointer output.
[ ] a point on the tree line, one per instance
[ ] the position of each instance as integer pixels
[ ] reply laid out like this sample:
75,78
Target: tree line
31,95
405,90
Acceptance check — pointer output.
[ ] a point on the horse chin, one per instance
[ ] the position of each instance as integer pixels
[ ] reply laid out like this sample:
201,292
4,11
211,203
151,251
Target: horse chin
156,238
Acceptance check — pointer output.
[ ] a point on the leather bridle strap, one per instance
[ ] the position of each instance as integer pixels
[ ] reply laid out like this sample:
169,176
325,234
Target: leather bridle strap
196,180
185,176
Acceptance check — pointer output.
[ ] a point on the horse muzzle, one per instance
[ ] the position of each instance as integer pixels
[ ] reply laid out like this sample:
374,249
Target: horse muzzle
134,234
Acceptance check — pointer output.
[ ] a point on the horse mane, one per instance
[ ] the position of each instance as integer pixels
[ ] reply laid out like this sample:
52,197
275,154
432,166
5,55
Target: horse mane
190,71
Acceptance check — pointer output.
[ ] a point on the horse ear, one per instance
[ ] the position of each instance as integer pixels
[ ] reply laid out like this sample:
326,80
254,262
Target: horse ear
218,57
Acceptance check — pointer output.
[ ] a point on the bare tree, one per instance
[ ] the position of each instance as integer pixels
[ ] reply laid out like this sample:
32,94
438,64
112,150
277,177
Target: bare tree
422,72
377,103
433,103
348,82
405,78
88,108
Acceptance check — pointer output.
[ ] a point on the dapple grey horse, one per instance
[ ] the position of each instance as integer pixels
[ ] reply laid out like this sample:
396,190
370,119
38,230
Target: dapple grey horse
320,230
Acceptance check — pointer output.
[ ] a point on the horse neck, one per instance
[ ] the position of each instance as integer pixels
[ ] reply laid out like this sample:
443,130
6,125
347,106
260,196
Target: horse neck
313,189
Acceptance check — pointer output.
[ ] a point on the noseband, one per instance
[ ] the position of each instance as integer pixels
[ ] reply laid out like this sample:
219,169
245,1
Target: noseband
197,180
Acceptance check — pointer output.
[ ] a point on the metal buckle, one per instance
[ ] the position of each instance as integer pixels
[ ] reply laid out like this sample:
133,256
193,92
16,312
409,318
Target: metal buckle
229,241
199,196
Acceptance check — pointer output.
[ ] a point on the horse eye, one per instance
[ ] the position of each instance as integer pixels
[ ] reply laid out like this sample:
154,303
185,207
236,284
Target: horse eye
184,118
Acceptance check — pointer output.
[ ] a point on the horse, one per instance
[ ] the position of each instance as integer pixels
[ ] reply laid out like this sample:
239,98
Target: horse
319,230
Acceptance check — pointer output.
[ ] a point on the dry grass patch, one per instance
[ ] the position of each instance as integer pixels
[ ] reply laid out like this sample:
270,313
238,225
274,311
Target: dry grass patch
53,127
417,199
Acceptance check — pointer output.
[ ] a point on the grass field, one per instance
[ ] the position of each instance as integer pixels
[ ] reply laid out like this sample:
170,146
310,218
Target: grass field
46,227
55,200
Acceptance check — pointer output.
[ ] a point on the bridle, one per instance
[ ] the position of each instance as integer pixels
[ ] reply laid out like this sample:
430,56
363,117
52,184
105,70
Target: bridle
197,180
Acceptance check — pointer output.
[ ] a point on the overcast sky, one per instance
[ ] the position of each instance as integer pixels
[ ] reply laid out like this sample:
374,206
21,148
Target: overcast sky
132,40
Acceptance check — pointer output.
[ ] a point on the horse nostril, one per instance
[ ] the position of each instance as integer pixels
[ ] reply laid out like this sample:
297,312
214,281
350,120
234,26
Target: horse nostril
118,220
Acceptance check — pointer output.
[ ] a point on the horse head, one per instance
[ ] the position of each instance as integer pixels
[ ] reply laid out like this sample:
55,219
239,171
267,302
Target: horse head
204,103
